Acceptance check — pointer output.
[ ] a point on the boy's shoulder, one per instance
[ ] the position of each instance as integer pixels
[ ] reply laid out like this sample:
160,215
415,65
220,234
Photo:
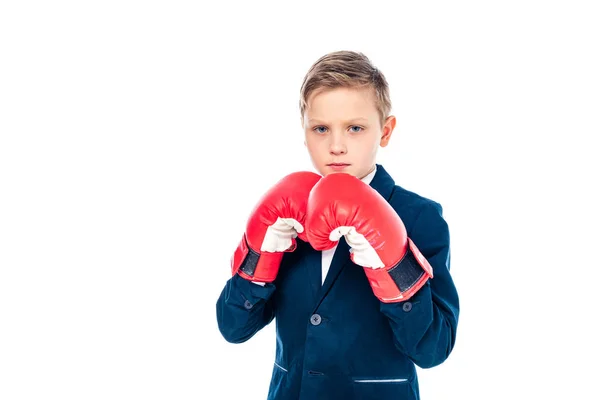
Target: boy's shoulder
404,198
398,196
407,203
412,206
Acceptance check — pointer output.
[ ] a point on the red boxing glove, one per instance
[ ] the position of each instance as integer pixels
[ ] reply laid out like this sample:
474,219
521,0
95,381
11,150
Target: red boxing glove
342,205
272,228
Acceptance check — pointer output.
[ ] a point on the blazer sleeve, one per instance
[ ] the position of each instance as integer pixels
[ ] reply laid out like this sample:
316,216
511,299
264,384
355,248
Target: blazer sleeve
424,326
244,308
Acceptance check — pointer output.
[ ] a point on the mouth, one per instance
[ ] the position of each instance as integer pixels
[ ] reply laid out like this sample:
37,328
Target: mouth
338,166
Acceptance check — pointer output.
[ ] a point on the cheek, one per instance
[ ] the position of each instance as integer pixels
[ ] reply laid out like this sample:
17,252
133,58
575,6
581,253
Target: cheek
366,146
313,148
374,142
313,142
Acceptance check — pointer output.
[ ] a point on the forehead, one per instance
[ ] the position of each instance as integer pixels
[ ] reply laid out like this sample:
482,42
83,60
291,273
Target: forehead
341,102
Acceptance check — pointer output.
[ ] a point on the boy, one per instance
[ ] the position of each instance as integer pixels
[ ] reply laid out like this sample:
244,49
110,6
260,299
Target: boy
353,268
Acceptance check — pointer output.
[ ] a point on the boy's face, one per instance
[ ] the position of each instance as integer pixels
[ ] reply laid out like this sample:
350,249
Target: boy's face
343,131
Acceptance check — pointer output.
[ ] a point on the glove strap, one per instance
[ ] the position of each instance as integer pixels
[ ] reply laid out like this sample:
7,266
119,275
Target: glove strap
403,280
255,266
408,271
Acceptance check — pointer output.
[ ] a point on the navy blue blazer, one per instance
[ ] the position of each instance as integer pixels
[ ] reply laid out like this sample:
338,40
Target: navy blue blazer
337,340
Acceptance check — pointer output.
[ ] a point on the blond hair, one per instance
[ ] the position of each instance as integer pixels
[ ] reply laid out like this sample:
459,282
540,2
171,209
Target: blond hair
348,69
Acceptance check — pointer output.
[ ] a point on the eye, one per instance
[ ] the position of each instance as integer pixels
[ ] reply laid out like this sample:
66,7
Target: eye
356,131
318,129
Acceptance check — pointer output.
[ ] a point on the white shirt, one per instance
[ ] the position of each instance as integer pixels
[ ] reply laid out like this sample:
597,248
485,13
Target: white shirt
327,255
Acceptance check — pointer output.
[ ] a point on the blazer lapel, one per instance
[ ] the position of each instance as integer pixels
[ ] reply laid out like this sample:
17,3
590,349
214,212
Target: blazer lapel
341,257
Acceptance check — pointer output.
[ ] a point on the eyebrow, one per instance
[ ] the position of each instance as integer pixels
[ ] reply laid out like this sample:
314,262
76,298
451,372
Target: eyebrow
313,120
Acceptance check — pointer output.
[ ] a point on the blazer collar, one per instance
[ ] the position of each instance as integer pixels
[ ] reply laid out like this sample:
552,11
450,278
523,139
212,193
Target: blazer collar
383,183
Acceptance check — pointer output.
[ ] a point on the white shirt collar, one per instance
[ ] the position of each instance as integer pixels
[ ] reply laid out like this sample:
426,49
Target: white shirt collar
367,179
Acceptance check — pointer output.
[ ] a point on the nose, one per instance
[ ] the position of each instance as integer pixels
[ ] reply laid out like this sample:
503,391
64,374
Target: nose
337,144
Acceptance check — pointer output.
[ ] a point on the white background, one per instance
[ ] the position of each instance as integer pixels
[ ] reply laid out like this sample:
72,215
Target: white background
137,136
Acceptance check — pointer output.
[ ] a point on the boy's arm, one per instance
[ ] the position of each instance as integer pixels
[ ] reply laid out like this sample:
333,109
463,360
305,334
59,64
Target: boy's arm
244,308
425,325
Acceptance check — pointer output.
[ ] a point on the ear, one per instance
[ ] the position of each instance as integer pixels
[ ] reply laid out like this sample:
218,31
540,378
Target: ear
388,128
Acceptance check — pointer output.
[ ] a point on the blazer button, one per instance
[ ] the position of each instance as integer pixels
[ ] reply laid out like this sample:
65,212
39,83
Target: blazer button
248,305
407,306
315,319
